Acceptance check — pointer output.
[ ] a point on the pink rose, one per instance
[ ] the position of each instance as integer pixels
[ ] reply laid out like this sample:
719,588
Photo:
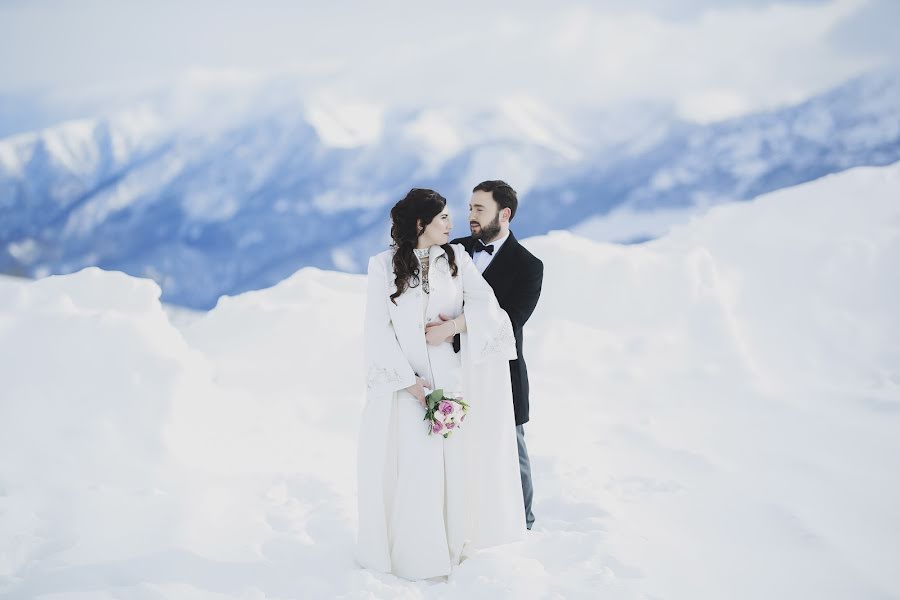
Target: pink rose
445,407
450,424
436,427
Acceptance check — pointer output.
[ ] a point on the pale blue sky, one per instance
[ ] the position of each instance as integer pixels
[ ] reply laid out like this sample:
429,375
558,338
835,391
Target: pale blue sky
710,59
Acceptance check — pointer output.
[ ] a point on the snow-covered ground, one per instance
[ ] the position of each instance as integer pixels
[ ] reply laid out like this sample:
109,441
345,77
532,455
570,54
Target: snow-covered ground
715,414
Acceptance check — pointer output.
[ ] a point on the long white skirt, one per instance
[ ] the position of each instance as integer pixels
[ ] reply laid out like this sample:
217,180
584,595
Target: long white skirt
427,526
426,502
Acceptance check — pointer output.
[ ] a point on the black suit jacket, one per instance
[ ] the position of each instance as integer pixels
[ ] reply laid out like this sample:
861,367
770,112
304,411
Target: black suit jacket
516,276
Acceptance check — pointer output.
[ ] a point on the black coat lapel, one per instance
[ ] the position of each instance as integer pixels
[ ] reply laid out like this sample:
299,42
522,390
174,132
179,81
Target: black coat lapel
502,256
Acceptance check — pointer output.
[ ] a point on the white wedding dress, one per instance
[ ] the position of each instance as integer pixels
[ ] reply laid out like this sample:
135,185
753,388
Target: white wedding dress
425,502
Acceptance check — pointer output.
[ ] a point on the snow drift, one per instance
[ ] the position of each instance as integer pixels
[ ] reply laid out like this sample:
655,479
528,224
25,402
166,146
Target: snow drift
715,414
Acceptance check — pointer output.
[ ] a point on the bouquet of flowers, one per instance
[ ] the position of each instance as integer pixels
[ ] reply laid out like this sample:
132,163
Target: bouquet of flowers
444,414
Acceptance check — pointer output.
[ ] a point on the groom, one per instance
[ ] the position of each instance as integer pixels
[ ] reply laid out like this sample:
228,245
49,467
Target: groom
516,275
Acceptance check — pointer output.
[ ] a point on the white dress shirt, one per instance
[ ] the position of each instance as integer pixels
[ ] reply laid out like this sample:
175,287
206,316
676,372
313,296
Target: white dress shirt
483,259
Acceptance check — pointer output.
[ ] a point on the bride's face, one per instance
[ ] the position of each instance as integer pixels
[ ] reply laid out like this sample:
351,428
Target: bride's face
438,231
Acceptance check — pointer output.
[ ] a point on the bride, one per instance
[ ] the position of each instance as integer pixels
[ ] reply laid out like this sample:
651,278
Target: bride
425,501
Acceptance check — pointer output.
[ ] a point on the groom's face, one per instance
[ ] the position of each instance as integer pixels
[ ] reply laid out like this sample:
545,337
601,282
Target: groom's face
484,216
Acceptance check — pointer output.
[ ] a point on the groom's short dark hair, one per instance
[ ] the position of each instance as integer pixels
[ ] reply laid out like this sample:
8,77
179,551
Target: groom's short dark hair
502,193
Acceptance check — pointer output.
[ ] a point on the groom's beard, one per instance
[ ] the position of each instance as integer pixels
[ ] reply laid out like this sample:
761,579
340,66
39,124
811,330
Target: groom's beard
488,232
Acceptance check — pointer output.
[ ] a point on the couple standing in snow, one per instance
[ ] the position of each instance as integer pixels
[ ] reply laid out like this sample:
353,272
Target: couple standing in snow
445,316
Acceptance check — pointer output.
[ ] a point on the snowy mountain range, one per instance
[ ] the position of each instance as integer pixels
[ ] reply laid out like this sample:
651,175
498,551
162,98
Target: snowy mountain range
210,192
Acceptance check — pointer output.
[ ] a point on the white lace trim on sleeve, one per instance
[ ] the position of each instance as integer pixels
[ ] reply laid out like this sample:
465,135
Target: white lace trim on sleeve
499,343
381,376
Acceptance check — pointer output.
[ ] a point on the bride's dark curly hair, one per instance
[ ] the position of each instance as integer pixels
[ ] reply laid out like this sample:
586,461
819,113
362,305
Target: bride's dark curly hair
419,206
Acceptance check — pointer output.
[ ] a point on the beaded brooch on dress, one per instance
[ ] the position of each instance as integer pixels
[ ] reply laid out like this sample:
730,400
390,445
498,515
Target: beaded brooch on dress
422,254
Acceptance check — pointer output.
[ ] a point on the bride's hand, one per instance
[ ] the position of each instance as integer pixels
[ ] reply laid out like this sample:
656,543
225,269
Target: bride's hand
418,390
438,332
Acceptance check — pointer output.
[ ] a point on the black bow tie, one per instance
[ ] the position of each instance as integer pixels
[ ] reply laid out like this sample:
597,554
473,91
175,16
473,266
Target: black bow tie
480,247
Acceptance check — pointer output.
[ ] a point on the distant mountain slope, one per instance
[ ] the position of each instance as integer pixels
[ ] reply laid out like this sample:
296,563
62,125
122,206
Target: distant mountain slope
219,204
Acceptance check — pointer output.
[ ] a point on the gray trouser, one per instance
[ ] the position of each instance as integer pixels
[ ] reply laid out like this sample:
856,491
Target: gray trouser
525,472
